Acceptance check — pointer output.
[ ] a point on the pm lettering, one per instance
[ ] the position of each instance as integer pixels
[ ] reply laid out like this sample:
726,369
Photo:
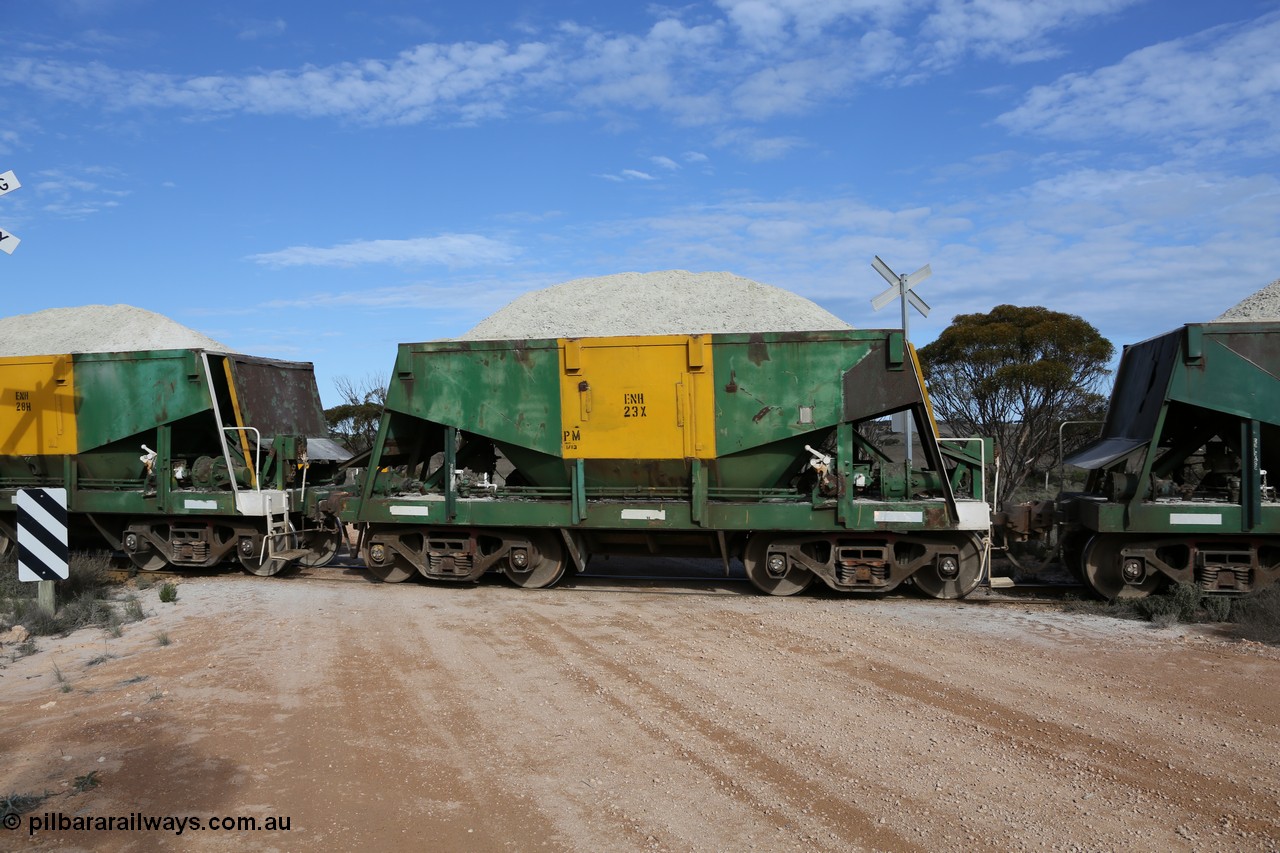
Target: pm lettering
22,401
633,405
571,438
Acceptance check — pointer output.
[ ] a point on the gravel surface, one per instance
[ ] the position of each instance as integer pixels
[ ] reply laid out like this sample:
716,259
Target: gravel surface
97,328
642,717
1263,305
669,302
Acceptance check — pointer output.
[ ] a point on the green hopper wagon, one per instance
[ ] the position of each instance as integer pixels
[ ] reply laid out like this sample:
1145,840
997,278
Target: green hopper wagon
176,457
528,456
1178,486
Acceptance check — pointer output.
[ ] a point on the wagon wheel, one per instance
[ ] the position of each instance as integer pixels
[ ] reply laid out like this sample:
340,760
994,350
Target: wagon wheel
391,567
1105,570
544,562
147,561
255,562
952,575
396,570
773,574
1071,554
262,568
6,544
322,544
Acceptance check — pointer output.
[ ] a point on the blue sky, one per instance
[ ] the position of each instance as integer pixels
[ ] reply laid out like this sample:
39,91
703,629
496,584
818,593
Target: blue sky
309,181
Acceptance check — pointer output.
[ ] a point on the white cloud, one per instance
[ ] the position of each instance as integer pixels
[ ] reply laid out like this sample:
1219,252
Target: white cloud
1009,30
756,148
628,175
464,81
755,59
767,23
1136,252
664,68
1220,89
786,89
9,139
75,194
665,163
252,30
479,296
452,250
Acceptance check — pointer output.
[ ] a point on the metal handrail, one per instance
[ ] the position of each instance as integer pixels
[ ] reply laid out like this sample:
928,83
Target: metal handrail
982,459
1062,468
257,457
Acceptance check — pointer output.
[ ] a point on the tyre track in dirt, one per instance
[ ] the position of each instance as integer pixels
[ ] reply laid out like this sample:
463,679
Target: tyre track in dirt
1113,772
613,755
761,782
1122,770
480,718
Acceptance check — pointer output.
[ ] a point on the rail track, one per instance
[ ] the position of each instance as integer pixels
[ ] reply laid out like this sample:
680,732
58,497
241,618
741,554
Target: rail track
641,576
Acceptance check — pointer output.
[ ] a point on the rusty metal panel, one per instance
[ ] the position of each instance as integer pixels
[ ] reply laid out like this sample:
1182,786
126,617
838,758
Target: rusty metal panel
278,397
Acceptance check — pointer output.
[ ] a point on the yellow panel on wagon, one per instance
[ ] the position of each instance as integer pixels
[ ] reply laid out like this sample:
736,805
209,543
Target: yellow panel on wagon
37,406
637,397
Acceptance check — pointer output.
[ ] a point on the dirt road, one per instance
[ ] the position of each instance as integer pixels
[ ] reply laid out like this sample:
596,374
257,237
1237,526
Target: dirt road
418,717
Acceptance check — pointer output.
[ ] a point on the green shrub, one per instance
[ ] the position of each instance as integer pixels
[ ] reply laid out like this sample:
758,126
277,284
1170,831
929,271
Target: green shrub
1217,608
10,587
133,609
18,804
1186,601
84,611
1257,616
87,782
1156,607
1180,603
169,592
86,574
21,607
81,597
63,683
40,623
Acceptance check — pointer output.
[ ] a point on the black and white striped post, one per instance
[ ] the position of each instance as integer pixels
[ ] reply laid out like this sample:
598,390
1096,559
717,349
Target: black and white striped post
42,540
